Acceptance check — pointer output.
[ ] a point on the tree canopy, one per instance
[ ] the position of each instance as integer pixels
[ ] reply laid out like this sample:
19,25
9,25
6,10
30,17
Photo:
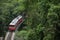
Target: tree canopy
43,17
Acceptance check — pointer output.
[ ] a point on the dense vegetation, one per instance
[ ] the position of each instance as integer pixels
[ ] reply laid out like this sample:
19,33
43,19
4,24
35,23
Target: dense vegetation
42,22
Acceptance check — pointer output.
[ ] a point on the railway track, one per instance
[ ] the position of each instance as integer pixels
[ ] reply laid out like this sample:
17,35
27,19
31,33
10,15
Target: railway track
14,25
10,36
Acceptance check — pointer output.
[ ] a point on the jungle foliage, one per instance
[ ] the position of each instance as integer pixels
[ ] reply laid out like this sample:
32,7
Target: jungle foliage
42,22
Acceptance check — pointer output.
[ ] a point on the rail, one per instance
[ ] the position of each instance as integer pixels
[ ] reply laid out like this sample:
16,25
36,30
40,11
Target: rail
11,34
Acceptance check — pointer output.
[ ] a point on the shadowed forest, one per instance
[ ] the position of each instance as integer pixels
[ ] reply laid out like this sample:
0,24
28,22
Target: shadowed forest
42,20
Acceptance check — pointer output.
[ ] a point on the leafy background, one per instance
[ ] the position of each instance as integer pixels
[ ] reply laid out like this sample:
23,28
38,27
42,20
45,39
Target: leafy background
42,22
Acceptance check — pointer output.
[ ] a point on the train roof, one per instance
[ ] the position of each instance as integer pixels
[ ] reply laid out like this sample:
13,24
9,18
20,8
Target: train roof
15,20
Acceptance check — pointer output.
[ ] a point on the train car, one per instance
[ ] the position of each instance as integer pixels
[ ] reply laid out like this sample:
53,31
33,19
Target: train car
14,24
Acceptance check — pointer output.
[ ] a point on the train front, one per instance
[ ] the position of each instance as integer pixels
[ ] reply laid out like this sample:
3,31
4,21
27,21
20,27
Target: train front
15,22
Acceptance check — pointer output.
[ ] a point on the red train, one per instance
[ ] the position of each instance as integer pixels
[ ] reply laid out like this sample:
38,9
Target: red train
15,23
